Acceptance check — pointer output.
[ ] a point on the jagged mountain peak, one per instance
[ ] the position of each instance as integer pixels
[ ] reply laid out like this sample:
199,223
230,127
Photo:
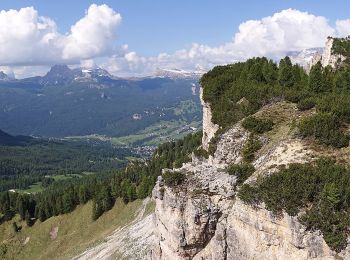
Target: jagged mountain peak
178,73
61,74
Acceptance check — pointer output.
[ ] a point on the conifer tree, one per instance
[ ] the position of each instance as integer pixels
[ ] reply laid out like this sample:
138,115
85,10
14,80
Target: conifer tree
286,77
316,83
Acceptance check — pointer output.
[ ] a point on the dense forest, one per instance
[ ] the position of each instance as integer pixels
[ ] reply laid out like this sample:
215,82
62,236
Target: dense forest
30,160
133,182
239,90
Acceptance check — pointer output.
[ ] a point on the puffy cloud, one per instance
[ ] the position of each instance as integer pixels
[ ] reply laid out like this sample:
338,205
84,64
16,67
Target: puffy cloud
272,36
343,27
93,35
287,30
29,39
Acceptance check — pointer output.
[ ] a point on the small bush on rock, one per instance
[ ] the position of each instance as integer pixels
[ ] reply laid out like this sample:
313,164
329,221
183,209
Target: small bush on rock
324,127
172,179
242,171
257,125
306,104
250,148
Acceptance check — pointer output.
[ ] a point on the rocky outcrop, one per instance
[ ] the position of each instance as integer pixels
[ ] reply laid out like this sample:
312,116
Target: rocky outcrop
203,218
328,57
209,128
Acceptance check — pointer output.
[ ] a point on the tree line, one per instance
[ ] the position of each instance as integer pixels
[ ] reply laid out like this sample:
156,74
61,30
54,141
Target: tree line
135,181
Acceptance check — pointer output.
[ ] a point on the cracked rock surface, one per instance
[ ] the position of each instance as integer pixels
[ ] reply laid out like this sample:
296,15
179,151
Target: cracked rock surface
203,218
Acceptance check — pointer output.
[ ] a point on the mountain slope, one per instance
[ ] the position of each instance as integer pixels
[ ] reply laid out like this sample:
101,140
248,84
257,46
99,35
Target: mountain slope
66,236
69,102
270,180
6,139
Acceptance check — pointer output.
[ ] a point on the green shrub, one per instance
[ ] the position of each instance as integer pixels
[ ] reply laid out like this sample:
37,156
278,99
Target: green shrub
321,190
306,104
257,125
336,104
172,179
324,127
250,148
214,141
242,171
249,195
292,96
201,153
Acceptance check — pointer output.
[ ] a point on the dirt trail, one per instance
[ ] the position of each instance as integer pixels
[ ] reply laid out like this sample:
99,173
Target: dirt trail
132,241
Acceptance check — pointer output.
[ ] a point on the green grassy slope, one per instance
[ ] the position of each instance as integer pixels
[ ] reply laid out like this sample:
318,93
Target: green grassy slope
75,232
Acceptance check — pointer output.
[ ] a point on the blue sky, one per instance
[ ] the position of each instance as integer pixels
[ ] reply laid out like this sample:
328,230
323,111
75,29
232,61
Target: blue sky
155,26
192,34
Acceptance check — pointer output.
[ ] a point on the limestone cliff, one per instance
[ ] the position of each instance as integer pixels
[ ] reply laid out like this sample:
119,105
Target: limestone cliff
328,57
203,219
209,128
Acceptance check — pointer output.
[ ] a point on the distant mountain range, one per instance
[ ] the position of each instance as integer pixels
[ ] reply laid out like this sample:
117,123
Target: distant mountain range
81,101
304,57
7,139
63,75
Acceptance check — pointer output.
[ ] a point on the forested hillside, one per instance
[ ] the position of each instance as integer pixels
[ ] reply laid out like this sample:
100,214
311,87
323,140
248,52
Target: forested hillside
133,182
319,189
260,81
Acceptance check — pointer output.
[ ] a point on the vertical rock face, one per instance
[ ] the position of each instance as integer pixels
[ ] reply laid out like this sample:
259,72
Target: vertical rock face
202,218
328,58
209,128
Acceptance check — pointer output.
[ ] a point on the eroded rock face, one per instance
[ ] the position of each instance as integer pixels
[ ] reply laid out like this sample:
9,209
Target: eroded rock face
209,128
328,58
203,219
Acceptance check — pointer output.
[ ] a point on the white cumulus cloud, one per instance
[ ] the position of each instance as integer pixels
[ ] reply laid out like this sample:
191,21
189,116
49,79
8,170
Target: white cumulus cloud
343,27
272,36
26,38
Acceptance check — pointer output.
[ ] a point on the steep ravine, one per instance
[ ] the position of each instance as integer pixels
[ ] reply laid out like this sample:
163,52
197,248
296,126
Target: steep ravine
203,219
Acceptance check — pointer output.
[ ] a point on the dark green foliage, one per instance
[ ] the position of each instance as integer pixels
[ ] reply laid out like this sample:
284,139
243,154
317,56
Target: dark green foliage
316,83
21,166
172,179
249,194
242,171
322,189
174,154
200,152
342,81
257,125
214,142
102,202
136,181
239,90
249,149
306,104
342,46
224,87
28,219
15,227
286,77
337,104
325,128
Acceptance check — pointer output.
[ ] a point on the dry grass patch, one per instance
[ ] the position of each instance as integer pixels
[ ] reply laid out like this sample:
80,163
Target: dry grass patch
75,232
